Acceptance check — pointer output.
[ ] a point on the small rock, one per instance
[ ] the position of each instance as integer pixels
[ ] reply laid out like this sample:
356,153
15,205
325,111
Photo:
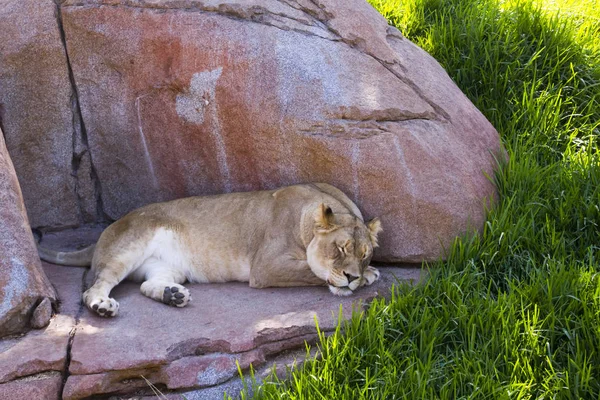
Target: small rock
42,314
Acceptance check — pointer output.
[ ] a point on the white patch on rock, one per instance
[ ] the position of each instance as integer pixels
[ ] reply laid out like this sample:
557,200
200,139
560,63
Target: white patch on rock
147,155
199,102
191,105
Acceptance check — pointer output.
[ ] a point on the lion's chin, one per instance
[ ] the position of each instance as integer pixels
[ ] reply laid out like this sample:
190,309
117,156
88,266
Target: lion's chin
340,291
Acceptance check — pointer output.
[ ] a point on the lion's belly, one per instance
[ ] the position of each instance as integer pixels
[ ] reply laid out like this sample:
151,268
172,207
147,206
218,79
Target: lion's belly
168,251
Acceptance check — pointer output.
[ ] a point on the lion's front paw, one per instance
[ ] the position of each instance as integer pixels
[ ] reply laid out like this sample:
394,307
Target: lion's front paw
371,275
338,291
103,306
176,296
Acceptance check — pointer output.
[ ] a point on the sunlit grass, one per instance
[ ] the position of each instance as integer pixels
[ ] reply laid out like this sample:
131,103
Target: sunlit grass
515,311
580,9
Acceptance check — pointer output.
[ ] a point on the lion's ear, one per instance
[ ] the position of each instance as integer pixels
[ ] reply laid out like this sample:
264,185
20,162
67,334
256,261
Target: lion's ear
374,227
324,219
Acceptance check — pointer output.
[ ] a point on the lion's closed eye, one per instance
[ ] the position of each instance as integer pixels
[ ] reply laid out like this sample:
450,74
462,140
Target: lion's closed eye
333,252
365,253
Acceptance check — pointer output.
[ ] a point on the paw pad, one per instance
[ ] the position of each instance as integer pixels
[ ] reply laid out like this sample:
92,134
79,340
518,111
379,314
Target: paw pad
106,307
176,297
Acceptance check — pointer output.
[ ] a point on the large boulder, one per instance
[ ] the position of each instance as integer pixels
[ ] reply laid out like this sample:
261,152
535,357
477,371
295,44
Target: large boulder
23,284
39,118
187,97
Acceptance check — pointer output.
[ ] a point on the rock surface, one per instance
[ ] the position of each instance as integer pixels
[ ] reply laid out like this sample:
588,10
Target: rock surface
23,284
44,386
36,103
43,351
37,352
281,365
188,97
42,314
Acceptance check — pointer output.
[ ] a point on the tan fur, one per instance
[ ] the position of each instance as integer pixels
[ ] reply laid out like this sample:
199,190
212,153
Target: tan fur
299,235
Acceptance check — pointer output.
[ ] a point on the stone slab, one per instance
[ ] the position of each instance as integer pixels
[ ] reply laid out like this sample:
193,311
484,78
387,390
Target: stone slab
201,344
228,317
37,351
46,386
282,364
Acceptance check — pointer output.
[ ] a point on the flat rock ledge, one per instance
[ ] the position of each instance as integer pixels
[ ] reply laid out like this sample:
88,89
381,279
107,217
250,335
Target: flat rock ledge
194,351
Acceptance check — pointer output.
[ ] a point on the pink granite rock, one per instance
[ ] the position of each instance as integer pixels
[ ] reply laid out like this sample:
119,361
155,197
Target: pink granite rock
36,103
23,284
43,386
187,372
187,97
41,351
280,365
42,314
37,352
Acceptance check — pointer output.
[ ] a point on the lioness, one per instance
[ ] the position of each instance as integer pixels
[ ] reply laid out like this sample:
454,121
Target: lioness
267,238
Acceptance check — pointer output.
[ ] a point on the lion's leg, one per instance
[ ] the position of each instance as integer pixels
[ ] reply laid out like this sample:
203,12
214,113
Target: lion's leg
163,283
283,271
96,298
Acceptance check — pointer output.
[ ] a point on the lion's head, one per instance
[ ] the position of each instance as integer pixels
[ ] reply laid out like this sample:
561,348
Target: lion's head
341,248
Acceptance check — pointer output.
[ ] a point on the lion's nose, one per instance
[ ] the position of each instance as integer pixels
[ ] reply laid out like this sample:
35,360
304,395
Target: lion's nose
350,277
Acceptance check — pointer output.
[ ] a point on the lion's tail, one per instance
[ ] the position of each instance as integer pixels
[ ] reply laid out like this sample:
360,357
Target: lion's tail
78,258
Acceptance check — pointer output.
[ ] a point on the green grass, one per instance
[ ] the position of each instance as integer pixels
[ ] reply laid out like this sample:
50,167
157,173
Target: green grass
514,312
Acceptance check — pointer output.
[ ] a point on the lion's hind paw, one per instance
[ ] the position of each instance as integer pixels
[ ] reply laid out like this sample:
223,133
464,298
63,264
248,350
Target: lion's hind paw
176,296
